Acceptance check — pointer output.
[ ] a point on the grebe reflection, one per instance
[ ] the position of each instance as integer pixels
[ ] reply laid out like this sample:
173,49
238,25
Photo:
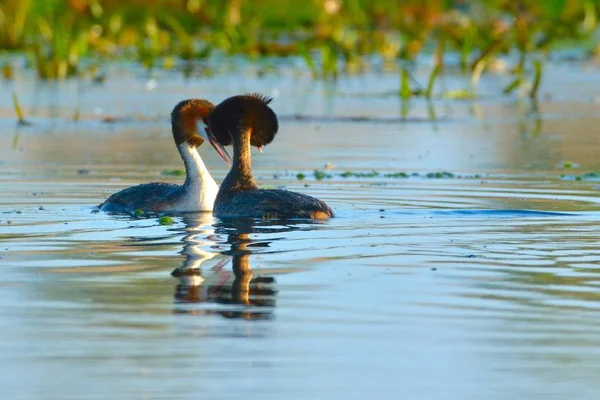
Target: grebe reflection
251,296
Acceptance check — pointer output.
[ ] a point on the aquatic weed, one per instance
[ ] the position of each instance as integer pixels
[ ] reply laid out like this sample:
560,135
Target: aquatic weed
440,175
173,172
396,175
166,220
18,110
320,175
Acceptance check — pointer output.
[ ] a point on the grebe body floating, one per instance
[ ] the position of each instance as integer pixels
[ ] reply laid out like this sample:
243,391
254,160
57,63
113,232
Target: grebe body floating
199,190
243,121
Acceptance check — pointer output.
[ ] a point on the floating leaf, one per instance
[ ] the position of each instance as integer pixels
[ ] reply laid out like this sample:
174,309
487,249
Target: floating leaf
166,220
173,172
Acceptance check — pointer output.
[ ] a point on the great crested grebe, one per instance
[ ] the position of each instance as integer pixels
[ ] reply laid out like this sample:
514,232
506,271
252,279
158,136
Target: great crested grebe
246,120
199,189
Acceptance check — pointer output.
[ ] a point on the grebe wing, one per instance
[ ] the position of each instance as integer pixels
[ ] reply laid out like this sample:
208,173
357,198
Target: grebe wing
145,197
278,203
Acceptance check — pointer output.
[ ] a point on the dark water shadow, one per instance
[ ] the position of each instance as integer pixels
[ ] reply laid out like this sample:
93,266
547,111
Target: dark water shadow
246,294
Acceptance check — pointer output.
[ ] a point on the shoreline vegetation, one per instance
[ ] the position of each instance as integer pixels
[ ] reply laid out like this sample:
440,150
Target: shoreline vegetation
62,39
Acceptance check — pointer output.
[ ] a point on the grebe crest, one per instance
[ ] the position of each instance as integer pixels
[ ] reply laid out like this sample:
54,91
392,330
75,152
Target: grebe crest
242,113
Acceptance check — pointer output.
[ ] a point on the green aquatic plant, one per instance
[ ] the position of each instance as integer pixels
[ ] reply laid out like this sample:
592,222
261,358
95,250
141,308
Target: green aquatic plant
332,37
459,94
430,82
537,78
61,42
440,175
13,18
173,172
588,176
396,175
405,90
166,220
18,110
350,174
320,175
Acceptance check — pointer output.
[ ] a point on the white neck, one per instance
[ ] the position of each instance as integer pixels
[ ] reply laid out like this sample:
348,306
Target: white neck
200,188
195,169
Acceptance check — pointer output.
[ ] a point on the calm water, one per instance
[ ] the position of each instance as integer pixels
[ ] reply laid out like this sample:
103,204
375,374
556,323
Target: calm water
483,285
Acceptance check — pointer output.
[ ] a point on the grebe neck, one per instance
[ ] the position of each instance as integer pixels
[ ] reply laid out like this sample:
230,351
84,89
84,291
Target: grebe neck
240,176
195,170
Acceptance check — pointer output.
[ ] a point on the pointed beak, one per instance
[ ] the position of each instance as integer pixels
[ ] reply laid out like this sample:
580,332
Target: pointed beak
259,149
219,148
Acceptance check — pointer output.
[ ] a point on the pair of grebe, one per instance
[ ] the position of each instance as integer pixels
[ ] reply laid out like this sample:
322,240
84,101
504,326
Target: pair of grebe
241,121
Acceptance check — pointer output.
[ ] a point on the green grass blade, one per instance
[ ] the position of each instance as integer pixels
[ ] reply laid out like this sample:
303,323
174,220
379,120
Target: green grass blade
512,86
18,108
432,77
405,91
538,67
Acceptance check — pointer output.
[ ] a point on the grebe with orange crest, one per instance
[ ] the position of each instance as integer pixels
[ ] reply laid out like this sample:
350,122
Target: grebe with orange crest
189,121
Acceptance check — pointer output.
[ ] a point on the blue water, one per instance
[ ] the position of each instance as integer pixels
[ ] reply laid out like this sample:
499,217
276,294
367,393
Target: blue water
482,285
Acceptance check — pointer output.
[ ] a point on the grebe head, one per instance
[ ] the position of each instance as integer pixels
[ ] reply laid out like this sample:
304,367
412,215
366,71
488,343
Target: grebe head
248,112
189,123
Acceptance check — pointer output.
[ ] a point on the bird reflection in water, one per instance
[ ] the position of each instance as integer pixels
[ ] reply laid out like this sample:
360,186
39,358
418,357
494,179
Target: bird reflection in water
246,294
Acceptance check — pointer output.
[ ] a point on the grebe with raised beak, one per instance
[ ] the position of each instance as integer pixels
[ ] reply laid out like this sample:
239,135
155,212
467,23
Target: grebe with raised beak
199,190
243,121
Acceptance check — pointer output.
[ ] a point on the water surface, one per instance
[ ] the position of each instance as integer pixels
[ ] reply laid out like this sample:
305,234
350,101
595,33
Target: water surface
480,285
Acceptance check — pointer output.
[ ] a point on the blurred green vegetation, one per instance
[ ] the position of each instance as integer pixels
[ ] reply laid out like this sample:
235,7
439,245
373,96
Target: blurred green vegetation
72,38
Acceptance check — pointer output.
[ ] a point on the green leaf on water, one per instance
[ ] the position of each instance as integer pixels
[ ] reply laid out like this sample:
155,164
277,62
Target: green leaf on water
440,175
173,172
138,213
396,175
460,94
320,175
166,220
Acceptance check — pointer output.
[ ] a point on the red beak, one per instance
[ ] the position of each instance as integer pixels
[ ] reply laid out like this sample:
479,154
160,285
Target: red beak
220,149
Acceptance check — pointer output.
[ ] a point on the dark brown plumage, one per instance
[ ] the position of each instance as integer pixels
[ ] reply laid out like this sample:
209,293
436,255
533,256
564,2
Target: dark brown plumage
243,121
248,111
